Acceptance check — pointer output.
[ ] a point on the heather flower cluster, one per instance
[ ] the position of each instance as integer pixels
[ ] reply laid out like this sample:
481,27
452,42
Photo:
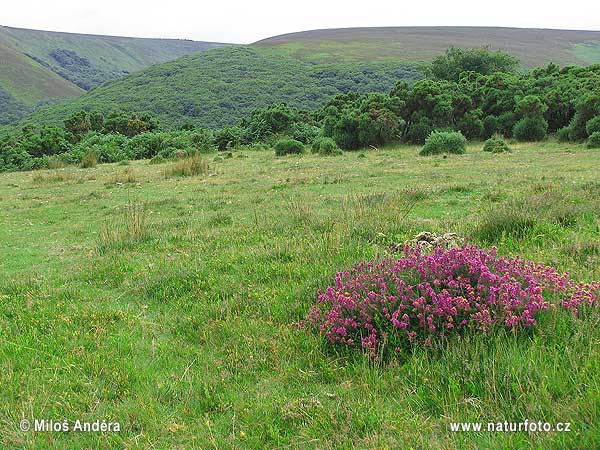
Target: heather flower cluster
421,297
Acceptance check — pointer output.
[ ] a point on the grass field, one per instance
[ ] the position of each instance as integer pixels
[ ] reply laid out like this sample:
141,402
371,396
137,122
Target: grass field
168,303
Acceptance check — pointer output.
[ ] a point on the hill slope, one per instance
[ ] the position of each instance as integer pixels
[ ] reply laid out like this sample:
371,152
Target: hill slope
534,47
221,86
42,66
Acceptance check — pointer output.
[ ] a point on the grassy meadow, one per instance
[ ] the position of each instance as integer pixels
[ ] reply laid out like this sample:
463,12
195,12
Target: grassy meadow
164,297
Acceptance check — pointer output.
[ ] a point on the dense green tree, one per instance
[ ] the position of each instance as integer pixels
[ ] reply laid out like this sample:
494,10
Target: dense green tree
480,60
78,124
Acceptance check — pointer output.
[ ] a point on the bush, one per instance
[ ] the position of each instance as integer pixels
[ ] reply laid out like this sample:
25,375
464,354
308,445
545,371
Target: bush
593,125
326,146
420,298
288,147
417,133
304,132
496,144
530,129
594,140
228,137
444,142
564,134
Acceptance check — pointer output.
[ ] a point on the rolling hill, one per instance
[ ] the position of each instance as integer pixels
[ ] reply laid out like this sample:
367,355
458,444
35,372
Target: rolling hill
534,47
38,67
221,86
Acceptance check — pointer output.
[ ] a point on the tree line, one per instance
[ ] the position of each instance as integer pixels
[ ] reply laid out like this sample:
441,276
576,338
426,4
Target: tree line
476,92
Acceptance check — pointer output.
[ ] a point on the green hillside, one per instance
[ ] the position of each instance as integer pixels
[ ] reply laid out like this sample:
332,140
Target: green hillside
534,47
219,87
42,66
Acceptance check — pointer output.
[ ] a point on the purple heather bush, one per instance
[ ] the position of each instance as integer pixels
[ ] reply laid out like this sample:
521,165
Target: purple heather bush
419,298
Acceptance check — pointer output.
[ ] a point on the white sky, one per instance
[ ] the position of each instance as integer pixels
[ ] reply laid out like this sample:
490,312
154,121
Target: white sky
248,21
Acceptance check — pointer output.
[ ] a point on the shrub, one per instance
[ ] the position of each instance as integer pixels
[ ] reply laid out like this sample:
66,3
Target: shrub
304,132
288,147
491,125
326,146
157,160
496,144
564,134
186,167
417,133
530,129
228,137
593,125
594,140
444,142
89,160
419,298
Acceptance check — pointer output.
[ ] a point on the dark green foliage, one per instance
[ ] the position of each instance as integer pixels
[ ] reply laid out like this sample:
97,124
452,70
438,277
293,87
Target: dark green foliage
532,126
564,134
439,142
326,146
496,144
225,85
586,109
288,147
228,137
531,106
481,60
593,125
594,140
530,129
129,124
11,109
491,126
471,124
356,121
304,132
269,121
78,124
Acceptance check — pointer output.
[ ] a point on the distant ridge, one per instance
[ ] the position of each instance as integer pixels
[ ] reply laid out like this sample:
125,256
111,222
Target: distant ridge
534,47
38,67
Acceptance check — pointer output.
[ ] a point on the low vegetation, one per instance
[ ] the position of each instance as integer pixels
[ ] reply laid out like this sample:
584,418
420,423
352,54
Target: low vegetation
187,166
170,304
496,144
439,142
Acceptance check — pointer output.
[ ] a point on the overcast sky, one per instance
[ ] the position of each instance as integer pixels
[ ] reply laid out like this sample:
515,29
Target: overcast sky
248,21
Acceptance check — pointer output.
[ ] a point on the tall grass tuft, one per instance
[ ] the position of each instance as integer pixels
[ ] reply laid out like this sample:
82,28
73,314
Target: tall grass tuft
130,228
54,176
89,160
186,167
124,176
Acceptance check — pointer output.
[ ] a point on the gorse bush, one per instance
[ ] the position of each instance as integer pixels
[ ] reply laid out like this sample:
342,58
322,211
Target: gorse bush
440,142
593,125
530,129
419,298
326,146
288,147
496,144
594,140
